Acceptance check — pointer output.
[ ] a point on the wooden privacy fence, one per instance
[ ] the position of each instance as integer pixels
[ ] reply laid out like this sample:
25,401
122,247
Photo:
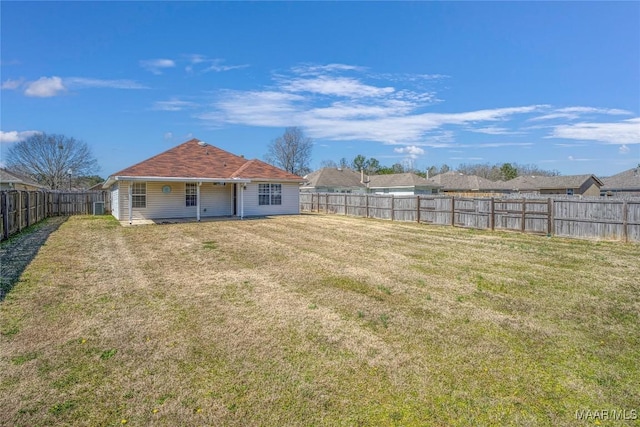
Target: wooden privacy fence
599,218
20,209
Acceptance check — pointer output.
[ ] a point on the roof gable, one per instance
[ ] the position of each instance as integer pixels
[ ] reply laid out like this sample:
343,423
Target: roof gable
197,159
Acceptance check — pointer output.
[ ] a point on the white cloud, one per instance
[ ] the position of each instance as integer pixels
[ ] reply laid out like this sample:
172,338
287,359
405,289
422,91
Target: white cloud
204,64
624,132
411,150
15,136
12,84
340,86
313,69
82,83
219,67
624,149
168,135
574,113
156,66
576,159
173,105
502,144
45,87
348,108
494,130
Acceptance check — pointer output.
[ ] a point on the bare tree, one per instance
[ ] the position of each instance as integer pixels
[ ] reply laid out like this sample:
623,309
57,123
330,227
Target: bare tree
291,151
328,164
52,159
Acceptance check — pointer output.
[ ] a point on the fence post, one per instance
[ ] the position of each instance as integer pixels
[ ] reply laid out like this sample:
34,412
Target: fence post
524,208
392,207
5,214
549,216
453,211
418,208
625,220
345,204
28,207
367,204
19,208
492,214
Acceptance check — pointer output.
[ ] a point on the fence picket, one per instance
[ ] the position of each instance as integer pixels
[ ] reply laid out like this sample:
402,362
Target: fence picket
21,209
578,218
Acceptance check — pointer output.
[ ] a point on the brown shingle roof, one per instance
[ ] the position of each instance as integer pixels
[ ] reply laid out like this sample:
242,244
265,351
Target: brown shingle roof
333,177
196,159
456,181
627,180
549,182
17,178
401,180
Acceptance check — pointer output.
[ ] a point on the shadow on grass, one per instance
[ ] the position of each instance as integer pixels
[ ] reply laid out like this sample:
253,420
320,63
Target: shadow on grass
17,252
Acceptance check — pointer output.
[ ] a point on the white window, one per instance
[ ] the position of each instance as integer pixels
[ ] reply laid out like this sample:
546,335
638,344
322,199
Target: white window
139,195
191,194
269,194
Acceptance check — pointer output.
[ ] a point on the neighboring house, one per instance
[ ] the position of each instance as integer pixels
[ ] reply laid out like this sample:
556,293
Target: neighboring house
456,182
11,180
338,180
402,184
195,179
334,180
585,185
627,183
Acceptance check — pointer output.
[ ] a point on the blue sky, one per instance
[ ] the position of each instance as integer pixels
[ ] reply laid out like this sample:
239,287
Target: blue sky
556,84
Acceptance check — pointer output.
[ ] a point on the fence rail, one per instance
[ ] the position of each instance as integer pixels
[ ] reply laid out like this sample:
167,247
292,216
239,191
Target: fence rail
20,209
606,219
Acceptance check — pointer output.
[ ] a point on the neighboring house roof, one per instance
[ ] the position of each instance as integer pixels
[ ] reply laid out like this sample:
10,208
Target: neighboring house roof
347,178
401,180
628,180
13,177
549,182
456,181
195,160
333,178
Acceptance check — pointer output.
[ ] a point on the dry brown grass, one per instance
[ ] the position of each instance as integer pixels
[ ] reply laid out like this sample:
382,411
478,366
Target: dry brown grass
318,320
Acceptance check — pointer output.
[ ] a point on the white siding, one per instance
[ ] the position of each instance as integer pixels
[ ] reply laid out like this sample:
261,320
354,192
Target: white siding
215,200
290,200
115,205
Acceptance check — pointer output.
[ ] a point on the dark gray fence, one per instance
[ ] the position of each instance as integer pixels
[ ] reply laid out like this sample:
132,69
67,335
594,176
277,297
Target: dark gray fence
606,219
20,209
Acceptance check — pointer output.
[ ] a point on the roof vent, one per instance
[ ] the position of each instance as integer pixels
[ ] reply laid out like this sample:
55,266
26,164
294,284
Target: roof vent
202,143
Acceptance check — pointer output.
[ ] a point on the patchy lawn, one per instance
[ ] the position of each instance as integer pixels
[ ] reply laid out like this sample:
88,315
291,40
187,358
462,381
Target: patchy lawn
319,320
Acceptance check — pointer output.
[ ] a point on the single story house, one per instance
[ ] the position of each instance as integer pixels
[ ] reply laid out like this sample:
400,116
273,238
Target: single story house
195,180
585,185
12,180
333,180
342,180
402,184
627,183
456,182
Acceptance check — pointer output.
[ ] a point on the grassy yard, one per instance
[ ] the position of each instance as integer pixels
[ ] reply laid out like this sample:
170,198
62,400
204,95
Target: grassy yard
319,320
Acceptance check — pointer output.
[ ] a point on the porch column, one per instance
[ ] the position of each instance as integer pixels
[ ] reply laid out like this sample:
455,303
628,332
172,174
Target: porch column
130,203
198,201
242,200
